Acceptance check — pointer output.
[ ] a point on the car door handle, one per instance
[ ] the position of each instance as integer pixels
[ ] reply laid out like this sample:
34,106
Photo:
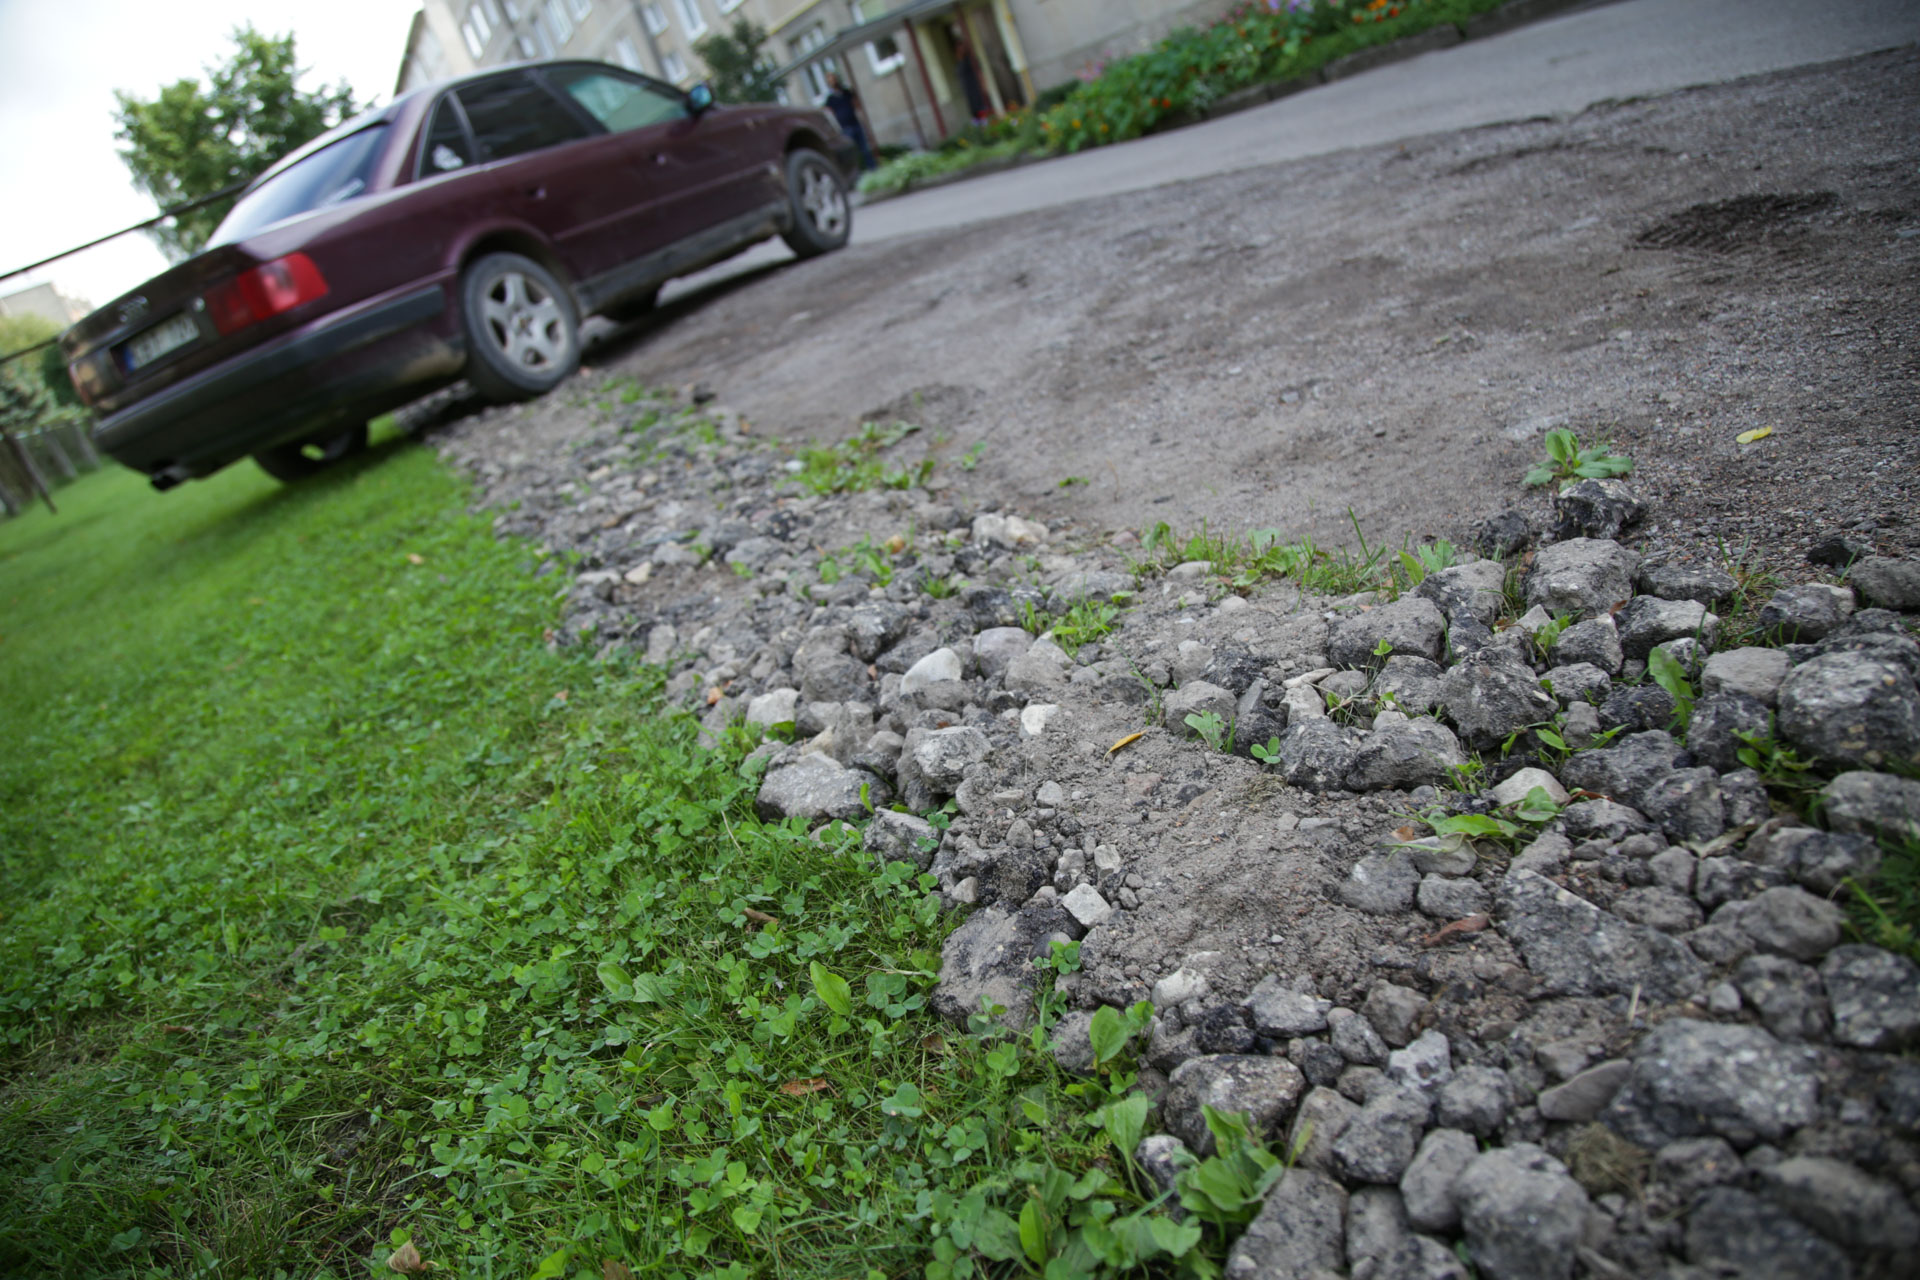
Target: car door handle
536,193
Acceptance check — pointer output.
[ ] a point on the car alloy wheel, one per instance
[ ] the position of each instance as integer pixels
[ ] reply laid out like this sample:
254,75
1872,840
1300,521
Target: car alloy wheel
825,204
526,322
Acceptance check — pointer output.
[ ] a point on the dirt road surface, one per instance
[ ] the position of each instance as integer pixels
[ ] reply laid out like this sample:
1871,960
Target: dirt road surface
1391,329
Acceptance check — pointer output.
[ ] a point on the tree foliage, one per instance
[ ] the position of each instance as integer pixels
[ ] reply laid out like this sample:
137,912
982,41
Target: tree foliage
36,386
195,139
737,64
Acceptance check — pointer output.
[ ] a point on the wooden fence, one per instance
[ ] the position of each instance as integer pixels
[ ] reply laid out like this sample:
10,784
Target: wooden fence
36,463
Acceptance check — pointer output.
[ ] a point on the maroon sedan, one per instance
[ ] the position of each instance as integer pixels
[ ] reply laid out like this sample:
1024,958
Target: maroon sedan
462,231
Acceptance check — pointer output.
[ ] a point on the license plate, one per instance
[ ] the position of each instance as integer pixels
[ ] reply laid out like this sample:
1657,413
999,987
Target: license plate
157,341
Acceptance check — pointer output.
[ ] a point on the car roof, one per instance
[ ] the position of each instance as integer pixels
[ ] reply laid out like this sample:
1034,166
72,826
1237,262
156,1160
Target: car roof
401,105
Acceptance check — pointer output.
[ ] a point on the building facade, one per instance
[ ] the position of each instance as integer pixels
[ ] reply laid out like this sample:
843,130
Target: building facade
922,68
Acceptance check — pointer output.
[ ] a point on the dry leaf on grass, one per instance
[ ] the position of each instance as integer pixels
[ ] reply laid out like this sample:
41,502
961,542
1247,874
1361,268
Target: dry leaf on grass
1748,437
1130,738
407,1261
614,1269
759,917
414,557
801,1088
1406,834
714,695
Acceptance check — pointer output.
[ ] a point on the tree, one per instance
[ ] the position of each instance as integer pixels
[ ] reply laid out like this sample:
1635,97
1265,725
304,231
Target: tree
43,374
195,139
737,65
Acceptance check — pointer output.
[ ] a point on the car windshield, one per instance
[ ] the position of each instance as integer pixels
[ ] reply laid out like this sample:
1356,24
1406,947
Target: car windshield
338,171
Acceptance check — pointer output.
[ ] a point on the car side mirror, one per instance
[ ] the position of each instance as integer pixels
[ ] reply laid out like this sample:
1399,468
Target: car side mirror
699,98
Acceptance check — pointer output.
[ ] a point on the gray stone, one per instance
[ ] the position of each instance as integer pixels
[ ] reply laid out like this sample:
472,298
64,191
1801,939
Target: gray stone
1376,1227
1842,1203
1277,1011
1659,908
1874,996
1628,769
1413,626
1595,508
1673,869
1702,583
1721,880
1691,1165
1595,643
1084,903
1042,667
1687,804
942,666
1873,804
1416,1258
1448,898
1792,922
1262,1088
833,677
1477,589
1316,754
1825,860
1578,683
1649,620
1721,725
874,628
1413,683
1851,709
1889,583
1163,1156
1521,1213
1355,1038
1695,1078
943,755
1837,550
776,706
1637,709
1197,697
1809,612
1322,1117
1403,754
996,649
989,958
1602,820
1379,1142
1740,1231
1072,1042
1425,1063
1517,785
1490,695
1574,948
1757,673
1381,884
814,787
1477,1099
1587,1094
1431,1181
1788,996
1745,796
1582,576
901,837
1300,1231
1395,1012
1442,856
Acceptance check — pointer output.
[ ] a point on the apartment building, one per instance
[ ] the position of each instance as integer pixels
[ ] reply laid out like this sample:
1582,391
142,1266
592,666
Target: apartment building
922,68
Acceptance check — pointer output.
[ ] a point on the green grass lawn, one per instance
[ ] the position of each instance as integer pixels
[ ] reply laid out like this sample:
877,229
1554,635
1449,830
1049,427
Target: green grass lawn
339,914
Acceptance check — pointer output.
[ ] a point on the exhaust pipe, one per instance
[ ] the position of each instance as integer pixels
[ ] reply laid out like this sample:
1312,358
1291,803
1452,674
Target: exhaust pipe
167,477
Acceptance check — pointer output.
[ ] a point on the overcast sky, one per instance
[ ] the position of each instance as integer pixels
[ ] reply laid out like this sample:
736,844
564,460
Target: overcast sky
61,60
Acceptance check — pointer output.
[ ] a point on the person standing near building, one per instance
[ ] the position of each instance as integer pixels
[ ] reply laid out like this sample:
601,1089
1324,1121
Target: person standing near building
844,103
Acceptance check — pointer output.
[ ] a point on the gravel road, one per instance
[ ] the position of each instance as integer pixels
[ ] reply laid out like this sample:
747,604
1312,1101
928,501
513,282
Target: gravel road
1391,329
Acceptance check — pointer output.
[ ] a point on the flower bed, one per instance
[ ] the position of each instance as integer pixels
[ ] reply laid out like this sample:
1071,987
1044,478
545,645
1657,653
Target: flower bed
1176,81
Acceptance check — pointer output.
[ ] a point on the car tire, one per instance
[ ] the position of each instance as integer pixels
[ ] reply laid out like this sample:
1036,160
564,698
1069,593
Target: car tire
523,337
822,214
300,459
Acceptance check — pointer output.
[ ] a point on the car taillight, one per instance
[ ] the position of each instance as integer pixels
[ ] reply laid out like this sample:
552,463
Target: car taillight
265,291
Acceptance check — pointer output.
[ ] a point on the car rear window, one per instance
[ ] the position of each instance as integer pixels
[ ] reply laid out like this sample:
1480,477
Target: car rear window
338,171
512,115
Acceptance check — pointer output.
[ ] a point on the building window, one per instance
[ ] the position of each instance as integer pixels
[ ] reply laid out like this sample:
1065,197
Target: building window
814,74
655,18
513,10
885,53
476,29
728,6
558,20
691,18
674,66
581,8
626,53
528,49
493,12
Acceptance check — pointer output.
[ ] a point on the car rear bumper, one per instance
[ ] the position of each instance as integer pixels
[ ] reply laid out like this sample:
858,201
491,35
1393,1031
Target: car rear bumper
321,373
